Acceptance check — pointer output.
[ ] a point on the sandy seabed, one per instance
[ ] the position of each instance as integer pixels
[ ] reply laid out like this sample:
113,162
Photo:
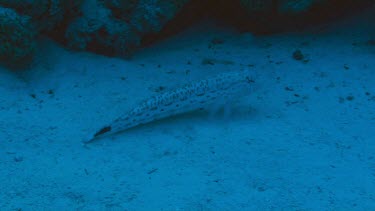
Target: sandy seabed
303,140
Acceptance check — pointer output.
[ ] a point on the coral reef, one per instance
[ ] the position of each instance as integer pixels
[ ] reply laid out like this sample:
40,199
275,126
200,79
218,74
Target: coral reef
100,30
150,16
46,14
22,20
118,27
17,38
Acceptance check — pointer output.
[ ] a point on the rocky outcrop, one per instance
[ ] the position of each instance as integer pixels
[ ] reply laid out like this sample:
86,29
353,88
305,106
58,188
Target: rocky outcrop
17,38
117,27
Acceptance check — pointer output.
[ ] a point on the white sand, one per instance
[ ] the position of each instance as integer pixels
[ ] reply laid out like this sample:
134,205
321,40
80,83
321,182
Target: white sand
310,147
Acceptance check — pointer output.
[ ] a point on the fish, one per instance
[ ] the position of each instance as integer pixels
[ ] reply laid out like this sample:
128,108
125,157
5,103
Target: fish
203,94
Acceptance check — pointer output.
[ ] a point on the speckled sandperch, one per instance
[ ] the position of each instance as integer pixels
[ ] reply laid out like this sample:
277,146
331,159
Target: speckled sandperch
197,95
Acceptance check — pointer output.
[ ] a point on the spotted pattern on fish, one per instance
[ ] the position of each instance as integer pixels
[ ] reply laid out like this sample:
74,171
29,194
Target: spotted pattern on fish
197,95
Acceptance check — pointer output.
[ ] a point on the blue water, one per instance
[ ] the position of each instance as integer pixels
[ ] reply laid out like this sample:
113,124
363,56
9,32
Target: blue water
302,140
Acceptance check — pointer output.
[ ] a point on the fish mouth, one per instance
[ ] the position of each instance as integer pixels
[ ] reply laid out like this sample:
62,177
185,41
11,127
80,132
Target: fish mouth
102,131
97,135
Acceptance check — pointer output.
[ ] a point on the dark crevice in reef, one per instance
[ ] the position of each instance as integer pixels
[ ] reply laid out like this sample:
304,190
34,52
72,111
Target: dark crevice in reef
273,21
270,21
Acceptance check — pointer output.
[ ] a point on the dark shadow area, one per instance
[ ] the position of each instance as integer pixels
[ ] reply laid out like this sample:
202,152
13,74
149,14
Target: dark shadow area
270,21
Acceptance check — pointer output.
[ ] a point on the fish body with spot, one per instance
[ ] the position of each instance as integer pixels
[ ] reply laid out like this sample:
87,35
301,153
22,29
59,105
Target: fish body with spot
217,90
